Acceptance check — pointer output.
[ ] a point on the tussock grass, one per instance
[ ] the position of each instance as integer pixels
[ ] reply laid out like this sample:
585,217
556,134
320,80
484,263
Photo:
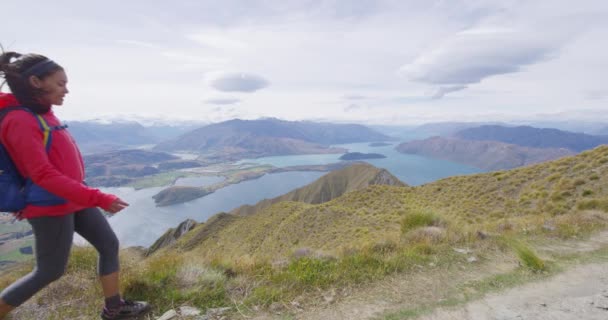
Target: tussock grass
419,219
169,280
593,204
527,257
310,274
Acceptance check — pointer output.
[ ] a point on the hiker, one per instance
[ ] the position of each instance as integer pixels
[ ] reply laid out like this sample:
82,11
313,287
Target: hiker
37,83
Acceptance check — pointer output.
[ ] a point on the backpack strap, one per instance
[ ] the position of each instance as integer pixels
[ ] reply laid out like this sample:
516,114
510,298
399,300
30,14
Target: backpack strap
5,111
32,193
44,127
47,131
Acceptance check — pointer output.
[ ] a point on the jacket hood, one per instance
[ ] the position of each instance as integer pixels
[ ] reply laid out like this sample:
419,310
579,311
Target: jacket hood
7,100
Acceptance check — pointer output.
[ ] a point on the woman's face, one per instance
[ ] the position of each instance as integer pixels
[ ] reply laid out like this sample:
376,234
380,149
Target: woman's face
54,87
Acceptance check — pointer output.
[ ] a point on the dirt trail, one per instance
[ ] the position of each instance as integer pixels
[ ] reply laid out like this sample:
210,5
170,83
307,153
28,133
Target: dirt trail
580,293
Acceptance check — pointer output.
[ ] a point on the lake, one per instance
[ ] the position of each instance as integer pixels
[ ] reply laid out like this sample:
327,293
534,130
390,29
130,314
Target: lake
142,222
411,169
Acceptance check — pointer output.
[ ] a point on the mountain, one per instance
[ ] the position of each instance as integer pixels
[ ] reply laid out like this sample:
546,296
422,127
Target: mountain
128,157
603,132
533,137
330,186
445,128
120,167
258,138
546,198
572,125
487,155
96,136
172,235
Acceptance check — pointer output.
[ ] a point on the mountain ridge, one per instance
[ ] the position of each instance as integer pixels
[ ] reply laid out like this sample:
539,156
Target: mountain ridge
483,154
332,185
528,136
238,139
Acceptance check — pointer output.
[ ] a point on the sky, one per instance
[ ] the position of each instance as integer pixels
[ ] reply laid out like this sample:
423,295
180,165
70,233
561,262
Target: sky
371,62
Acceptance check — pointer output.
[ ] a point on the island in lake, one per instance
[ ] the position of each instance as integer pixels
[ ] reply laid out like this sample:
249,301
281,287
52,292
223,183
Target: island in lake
361,156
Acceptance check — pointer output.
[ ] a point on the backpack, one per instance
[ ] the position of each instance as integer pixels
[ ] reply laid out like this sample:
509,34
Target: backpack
16,191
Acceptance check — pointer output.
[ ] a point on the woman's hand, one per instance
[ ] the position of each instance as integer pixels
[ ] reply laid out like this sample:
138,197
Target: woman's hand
117,206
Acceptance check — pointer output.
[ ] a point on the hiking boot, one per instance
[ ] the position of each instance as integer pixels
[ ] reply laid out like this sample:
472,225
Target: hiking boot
128,310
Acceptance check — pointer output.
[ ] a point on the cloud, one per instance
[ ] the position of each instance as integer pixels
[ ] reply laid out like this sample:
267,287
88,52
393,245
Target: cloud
355,97
194,59
222,101
476,54
352,107
217,41
223,113
238,82
442,91
138,43
596,95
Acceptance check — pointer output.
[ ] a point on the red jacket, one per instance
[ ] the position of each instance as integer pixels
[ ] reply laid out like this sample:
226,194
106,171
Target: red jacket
60,172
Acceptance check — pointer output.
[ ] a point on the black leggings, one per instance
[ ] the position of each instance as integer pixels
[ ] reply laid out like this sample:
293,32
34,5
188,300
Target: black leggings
53,243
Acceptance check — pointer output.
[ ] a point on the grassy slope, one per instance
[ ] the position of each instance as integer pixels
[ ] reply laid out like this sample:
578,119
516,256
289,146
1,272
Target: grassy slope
535,198
363,235
330,186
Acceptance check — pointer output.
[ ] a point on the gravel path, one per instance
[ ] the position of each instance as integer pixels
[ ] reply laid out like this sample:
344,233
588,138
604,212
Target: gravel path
580,293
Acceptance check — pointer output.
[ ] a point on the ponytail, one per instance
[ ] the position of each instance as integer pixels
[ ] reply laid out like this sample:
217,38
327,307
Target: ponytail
17,68
5,65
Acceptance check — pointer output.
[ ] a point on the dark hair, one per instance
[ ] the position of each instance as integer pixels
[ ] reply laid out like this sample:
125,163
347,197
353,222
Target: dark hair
16,69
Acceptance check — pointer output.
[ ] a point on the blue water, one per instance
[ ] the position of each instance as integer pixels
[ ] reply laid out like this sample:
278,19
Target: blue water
411,169
142,222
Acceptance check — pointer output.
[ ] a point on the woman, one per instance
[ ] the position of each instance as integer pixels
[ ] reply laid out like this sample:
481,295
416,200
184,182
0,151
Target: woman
38,83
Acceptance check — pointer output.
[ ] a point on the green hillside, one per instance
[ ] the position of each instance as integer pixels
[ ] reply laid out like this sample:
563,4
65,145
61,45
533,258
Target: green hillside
290,250
555,193
332,185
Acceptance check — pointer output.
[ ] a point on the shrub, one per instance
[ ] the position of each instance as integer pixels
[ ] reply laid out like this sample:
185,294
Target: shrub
312,272
593,204
192,275
579,167
164,280
361,267
384,247
419,219
265,296
527,256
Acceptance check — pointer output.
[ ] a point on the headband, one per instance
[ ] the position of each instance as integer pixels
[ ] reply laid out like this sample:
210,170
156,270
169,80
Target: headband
40,68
